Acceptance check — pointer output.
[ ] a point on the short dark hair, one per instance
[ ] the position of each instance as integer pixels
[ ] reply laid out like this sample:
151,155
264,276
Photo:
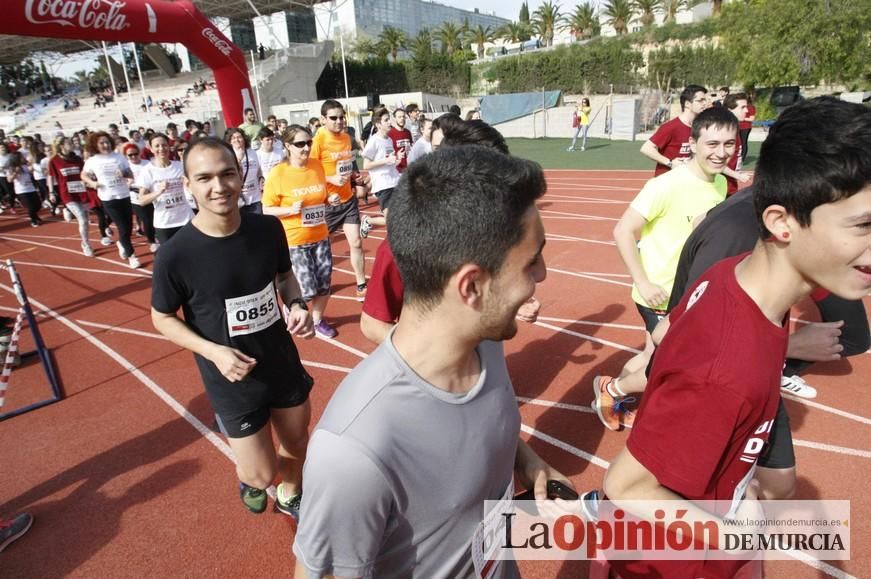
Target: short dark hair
329,105
474,132
448,211
411,108
446,122
398,110
171,126
689,92
209,143
157,136
818,152
247,110
265,133
455,109
378,113
731,100
714,117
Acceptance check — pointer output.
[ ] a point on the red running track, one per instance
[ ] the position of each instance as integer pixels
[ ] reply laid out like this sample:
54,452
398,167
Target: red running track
125,479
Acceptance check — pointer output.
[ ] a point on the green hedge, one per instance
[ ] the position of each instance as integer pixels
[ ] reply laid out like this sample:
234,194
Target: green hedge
705,65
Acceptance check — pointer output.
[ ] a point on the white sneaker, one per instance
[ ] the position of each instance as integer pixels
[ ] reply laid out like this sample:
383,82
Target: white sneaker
134,262
87,251
68,215
153,247
365,227
121,253
796,386
108,232
105,241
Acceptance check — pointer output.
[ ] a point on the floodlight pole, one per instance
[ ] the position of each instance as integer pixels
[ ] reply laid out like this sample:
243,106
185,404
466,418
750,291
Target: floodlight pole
127,80
141,83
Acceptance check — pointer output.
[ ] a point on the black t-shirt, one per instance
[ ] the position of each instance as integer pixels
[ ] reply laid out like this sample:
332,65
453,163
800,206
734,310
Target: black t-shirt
729,229
225,287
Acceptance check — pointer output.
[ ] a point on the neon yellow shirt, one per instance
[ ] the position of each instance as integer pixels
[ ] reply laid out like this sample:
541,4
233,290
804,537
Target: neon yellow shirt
670,203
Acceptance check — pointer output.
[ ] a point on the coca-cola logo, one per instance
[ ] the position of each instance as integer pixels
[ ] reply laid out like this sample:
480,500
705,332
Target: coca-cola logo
222,45
96,14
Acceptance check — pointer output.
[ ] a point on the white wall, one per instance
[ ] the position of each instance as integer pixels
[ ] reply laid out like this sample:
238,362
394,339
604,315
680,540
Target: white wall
262,34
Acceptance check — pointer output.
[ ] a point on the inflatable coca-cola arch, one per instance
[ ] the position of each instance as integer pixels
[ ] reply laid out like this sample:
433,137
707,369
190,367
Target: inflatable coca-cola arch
140,21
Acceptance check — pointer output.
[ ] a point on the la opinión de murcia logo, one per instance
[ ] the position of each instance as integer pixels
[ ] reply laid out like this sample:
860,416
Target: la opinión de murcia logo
222,45
96,14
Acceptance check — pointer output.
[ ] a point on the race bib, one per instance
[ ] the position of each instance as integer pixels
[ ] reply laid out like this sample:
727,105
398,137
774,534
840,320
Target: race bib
252,313
344,167
487,539
313,215
75,187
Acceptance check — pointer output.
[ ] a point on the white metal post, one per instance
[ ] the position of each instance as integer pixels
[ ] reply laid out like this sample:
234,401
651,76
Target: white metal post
111,77
141,82
127,81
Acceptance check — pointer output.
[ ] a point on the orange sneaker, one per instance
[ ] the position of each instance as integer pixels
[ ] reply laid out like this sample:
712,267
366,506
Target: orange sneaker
603,403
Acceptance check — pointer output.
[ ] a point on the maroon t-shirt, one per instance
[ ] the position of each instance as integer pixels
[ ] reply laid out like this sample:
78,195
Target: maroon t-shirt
67,175
709,404
401,140
384,290
673,141
732,184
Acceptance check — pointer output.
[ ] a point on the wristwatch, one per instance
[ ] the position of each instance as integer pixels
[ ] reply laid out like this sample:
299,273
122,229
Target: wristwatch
298,301
670,164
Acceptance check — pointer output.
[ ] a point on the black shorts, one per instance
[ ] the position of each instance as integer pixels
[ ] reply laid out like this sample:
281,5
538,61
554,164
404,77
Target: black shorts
383,198
651,317
779,452
345,213
244,407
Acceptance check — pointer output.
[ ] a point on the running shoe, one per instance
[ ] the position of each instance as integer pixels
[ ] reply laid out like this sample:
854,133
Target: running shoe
121,253
361,292
611,411
254,499
325,329
796,386
134,262
108,232
14,528
34,223
570,149
87,251
590,505
289,507
152,247
68,215
365,227
105,241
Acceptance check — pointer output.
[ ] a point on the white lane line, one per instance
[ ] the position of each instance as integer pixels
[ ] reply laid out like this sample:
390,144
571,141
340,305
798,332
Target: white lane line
825,408
591,458
587,323
348,271
557,237
589,276
590,338
218,443
590,201
551,404
340,297
327,366
78,252
345,347
833,448
599,217
70,237
87,269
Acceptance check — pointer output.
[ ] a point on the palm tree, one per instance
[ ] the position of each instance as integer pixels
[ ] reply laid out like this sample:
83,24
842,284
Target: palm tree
647,10
545,19
392,40
480,35
716,7
450,36
421,45
619,13
582,22
365,47
514,32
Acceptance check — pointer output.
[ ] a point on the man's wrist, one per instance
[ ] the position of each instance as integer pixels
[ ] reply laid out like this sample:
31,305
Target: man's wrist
297,302
670,163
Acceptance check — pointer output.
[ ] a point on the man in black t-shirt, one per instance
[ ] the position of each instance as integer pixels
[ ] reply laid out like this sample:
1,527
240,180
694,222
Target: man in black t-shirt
223,269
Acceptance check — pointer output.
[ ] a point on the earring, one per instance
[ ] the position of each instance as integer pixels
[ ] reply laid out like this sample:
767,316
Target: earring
785,235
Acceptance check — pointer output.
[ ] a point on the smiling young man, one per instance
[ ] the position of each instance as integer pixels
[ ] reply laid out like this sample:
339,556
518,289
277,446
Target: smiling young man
661,216
333,149
715,381
233,324
670,144
426,429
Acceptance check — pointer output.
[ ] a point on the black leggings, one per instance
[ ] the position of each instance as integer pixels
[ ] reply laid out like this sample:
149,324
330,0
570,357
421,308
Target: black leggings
102,222
31,203
164,235
145,215
7,191
121,212
855,336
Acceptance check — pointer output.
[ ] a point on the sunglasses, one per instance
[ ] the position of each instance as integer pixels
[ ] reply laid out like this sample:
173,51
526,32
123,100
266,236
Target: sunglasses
302,144
342,117
132,154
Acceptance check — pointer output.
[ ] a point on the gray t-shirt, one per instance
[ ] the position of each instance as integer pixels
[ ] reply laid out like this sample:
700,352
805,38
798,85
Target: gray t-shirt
398,471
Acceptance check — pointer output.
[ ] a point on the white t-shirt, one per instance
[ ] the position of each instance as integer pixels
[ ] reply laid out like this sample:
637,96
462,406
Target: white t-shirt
421,148
40,169
136,169
252,191
270,159
171,208
385,176
109,170
24,181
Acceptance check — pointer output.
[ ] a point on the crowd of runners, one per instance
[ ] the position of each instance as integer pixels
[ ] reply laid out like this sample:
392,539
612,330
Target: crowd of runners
426,429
